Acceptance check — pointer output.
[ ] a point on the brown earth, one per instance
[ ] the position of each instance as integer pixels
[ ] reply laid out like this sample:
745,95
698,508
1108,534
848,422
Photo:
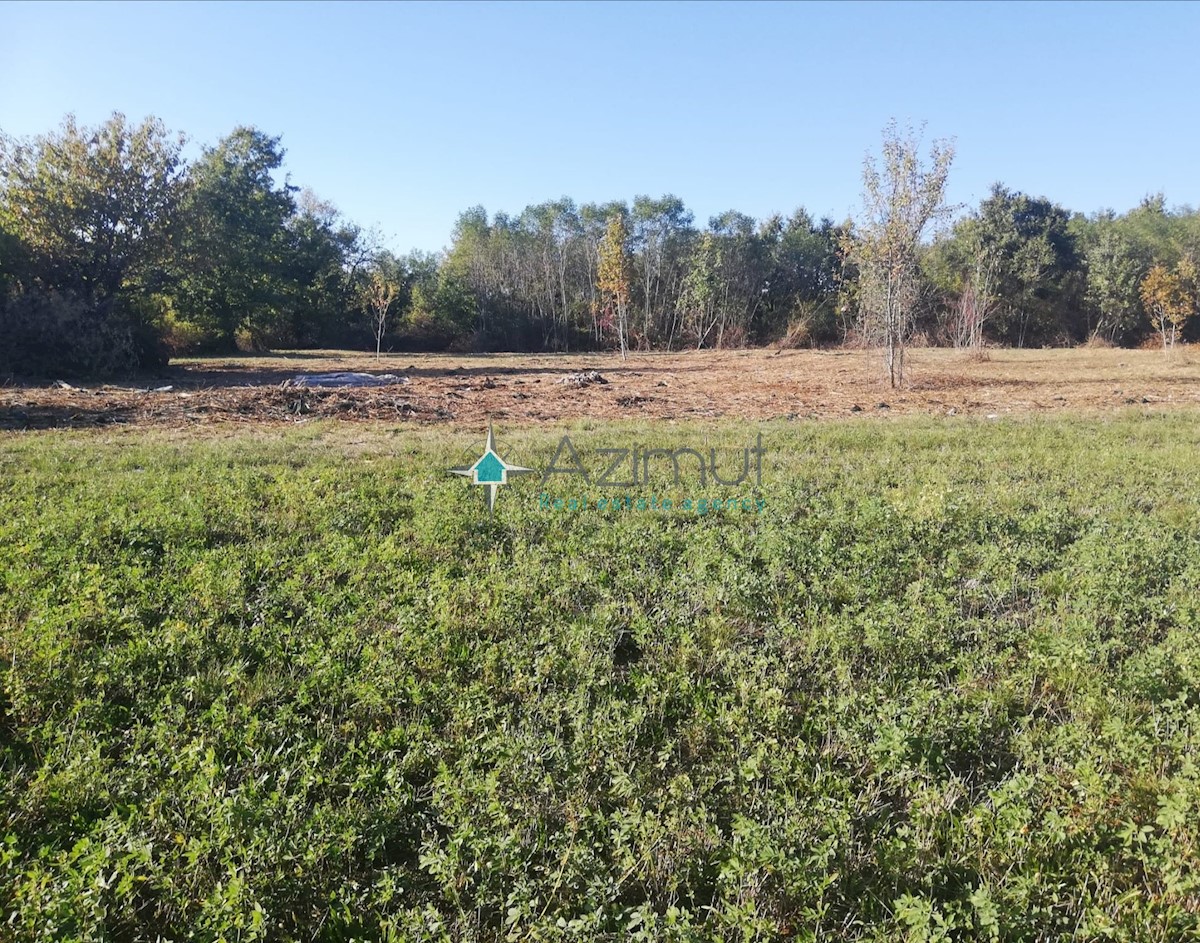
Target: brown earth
520,389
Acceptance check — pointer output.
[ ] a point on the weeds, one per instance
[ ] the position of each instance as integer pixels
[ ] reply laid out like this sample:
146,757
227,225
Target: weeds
946,685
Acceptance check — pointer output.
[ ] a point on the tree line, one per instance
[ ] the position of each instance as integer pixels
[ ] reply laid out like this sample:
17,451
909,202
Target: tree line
116,253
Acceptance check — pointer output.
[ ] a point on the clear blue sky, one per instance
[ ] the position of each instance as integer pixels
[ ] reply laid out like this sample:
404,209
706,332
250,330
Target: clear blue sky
403,115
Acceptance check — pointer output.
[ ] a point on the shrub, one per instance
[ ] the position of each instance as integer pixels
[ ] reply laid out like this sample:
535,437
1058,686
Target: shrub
53,334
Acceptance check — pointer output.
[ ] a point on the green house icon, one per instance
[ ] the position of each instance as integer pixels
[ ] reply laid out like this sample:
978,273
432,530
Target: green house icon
489,470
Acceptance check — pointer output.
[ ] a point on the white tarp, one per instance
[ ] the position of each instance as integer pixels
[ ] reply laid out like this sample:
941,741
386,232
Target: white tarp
347,379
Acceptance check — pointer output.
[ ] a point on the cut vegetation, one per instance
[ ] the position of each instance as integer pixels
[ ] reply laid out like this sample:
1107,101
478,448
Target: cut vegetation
514,388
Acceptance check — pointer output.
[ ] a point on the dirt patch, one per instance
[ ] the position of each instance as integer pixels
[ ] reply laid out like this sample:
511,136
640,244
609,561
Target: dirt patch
529,389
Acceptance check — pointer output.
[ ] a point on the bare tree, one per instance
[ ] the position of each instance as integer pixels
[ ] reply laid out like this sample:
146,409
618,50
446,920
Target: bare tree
900,200
381,293
977,302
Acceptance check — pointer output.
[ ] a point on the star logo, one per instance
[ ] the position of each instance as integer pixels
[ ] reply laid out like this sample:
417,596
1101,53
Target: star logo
490,470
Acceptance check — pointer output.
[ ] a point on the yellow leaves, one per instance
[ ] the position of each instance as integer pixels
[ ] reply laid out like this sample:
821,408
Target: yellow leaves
612,278
1170,297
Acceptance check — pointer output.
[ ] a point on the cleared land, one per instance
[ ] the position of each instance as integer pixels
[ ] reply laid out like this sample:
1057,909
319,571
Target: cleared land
702,385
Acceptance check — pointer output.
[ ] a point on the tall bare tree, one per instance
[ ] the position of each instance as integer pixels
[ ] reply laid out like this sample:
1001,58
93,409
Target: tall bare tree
900,200
977,302
380,294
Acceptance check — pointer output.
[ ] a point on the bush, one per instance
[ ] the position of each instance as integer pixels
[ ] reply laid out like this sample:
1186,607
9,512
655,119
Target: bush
423,331
53,334
183,338
1096,342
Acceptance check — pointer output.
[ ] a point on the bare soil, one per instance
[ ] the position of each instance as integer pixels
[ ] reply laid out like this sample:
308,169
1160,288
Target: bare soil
529,389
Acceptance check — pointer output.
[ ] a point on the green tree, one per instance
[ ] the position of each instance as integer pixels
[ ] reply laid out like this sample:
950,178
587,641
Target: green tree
550,235
235,252
452,306
661,234
439,309
93,208
1154,230
728,279
701,296
745,267
1030,252
1114,274
481,267
87,218
323,255
799,279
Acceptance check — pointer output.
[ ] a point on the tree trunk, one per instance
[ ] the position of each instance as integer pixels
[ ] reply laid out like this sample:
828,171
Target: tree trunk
229,339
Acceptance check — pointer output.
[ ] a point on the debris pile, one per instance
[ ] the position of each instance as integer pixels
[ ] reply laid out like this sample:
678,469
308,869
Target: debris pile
48,407
587,378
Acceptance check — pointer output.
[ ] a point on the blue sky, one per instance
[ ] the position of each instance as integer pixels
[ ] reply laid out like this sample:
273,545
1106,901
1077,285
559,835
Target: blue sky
405,114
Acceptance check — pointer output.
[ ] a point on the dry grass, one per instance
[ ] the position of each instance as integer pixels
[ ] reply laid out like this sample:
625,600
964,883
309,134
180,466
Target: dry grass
520,389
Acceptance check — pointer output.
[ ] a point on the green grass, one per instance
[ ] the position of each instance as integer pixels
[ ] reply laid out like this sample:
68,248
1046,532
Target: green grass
297,685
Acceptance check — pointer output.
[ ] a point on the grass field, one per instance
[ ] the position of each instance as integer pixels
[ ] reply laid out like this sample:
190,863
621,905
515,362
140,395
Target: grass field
295,684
